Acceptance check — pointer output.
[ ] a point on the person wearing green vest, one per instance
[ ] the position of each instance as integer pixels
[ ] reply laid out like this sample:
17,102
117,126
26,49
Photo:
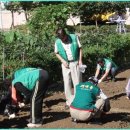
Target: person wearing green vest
68,51
106,67
88,102
32,83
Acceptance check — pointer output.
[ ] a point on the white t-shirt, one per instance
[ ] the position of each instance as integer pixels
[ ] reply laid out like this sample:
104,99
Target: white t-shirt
67,48
108,66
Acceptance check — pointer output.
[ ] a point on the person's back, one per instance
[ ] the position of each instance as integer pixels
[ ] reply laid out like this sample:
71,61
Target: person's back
109,63
28,78
87,103
22,71
85,96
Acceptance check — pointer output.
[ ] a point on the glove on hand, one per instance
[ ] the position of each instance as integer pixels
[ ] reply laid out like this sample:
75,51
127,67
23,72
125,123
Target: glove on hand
99,81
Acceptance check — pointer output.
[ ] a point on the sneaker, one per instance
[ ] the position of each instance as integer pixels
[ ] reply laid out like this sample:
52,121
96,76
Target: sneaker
74,120
21,105
12,116
128,98
28,120
114,79
32,125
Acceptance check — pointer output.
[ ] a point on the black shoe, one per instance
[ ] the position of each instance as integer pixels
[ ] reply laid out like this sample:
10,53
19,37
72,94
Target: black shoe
10,109
114,79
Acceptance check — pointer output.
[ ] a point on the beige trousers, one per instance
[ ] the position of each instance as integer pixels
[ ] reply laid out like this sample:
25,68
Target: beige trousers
71,77
83,115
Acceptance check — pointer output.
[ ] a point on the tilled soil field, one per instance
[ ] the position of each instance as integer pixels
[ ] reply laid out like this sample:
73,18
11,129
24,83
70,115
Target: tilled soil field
55,115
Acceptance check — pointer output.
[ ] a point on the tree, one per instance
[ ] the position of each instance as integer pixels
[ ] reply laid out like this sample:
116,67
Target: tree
20,7
46,19
13,7
93,10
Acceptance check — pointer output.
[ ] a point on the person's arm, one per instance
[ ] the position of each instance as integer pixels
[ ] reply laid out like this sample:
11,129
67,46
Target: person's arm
105,75
80,56
108,68
97,71
65,63
80,52
14,95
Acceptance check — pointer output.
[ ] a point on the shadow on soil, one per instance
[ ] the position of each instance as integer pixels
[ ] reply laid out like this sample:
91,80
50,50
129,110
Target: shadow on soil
116,117
111,117
117,95
120,79
54,116
50,103
22,121
14,123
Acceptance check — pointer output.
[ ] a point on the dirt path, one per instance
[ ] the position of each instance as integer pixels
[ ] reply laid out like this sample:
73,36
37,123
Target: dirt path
55,116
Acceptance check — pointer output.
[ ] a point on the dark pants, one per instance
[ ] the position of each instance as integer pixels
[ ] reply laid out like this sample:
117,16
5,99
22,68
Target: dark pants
113,72
35,96
5,100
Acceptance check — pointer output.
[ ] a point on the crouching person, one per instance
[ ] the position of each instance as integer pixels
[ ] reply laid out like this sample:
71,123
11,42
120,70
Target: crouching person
32,84
87,103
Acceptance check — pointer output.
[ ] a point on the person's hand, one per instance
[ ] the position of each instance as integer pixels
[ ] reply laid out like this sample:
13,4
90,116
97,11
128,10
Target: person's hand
99,81
65,64
21,104
12,116
80,62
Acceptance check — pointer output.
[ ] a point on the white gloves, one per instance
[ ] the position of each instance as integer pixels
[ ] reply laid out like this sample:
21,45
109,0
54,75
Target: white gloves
99,81
12,116
21,105
102,95
82,68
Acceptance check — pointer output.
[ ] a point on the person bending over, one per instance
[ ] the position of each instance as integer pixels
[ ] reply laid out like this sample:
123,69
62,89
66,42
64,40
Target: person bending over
32,83
106,67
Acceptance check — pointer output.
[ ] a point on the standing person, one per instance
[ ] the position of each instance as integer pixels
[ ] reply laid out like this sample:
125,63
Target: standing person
105,67
127,88
88,102
68,51
33,85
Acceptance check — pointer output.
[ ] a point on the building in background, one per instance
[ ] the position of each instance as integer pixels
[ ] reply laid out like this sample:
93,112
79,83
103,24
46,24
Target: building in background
6,18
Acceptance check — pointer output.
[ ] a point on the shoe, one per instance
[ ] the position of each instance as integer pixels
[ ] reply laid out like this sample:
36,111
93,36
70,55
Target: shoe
28,120
21,105
74,120
32,125
128,98
114,79
66,107
12,116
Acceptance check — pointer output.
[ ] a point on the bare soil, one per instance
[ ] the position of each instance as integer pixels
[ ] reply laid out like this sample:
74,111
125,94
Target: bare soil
55,116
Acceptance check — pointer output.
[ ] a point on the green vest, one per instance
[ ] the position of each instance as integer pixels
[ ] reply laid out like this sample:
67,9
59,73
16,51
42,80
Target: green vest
107,61
28,79
74,48
22,71
85,96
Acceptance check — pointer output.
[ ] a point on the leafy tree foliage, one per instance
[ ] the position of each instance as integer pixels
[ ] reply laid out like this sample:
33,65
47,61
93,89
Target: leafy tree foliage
93,10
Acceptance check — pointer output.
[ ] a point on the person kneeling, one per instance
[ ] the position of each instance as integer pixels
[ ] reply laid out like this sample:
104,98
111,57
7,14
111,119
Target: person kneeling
88,102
